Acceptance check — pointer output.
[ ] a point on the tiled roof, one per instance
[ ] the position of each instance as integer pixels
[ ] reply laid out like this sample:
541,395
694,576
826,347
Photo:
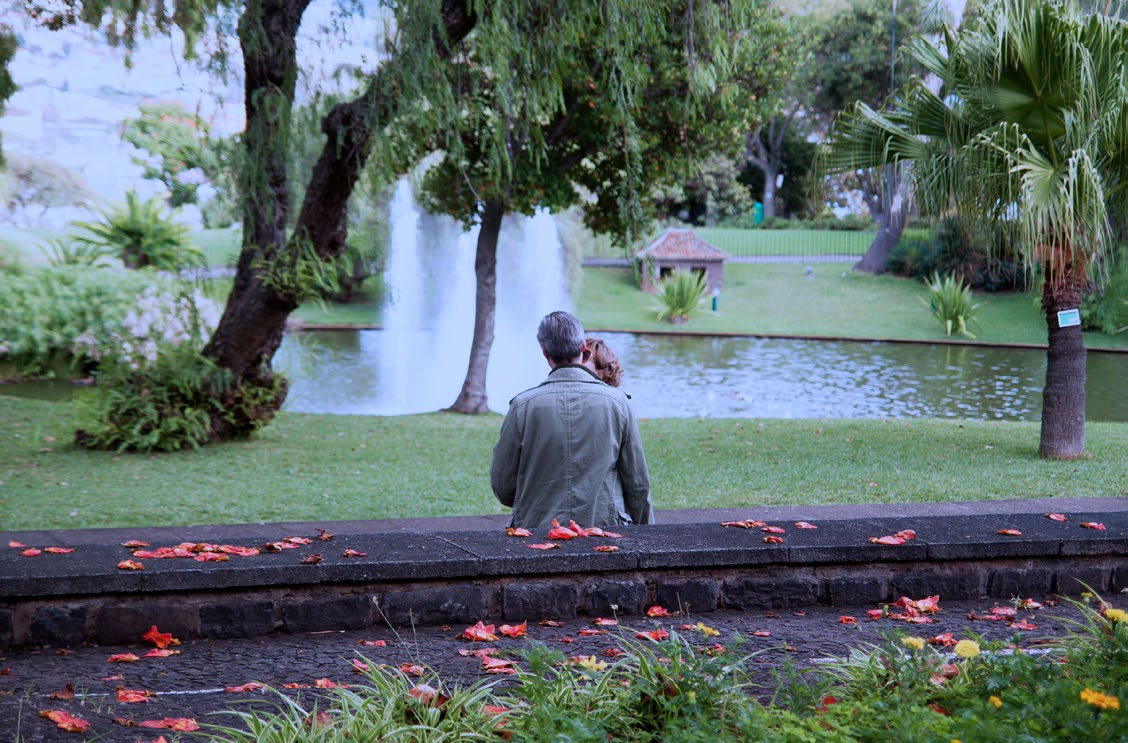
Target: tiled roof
682,244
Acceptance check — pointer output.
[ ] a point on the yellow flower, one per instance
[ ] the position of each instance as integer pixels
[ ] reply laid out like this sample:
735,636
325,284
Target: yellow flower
590,663
707,631
1097,699
1116,615
995,701
967,648
916,643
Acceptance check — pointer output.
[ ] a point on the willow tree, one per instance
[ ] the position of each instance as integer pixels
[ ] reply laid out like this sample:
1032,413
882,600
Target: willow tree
1028,134
286,259
698,74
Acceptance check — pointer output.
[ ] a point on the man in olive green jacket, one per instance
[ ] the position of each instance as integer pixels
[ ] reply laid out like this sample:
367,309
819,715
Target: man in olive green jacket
569,448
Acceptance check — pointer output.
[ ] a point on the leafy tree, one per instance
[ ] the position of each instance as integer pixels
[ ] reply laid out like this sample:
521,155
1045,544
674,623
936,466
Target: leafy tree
8,46
175,141
701,72
1027,135
526,43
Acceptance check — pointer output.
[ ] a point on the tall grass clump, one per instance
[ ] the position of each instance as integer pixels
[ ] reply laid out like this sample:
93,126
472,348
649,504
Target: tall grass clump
679,294
951,302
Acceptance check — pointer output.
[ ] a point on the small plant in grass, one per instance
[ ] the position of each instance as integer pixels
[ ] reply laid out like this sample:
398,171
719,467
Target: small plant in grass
951,302
679,294
142,236
63,252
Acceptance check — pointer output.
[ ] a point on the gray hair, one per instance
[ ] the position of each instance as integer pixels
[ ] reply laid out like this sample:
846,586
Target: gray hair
561,336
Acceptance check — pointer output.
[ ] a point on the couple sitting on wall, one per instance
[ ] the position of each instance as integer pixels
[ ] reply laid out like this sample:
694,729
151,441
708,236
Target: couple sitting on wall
569,448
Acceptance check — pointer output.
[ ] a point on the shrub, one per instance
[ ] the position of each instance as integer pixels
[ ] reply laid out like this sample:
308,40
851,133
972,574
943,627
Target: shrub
951,302
63,252
142,236
679,294
913,256
1106,310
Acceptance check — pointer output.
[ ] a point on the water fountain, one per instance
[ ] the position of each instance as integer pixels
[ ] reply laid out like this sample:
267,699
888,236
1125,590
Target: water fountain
420,356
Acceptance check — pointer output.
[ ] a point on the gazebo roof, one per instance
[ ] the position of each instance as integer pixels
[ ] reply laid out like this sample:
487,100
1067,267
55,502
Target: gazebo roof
682,244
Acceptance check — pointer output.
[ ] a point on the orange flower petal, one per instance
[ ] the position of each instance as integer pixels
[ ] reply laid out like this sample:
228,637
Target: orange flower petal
804,525
518,531
1057,517
1010,532
543,546
518,630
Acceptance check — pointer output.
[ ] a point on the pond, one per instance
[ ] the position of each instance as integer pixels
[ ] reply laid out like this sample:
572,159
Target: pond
686,376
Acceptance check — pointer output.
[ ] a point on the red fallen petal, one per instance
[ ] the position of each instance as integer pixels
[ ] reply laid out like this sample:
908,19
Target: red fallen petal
592,632
295,685
518,531
160,653
609,534
412,669
65,721
1022,624
657,611
249,686
211,557
594,531
298,540
519,630
601,622
561,532
847,620
875,613
360,666
1004,611
160,639
480,632
373,643
579,530
1057,517
240,551
16,545
132,543
488,661
325,683
761,633
655,635
480,653
543,546
354,553
746,524
130,565
65,694
133,696
906,534
550,623
605,548
944,639
773,540
1093,525
179,724
1030,604
773,530
937,708
888,541
31,552
58,550
123,658
614,652
804,525
1011,532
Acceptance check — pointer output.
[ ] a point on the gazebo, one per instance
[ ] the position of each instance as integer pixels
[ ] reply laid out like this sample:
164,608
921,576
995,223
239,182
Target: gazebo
681,250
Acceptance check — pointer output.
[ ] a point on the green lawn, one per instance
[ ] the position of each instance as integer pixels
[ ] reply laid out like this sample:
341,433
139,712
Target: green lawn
323,468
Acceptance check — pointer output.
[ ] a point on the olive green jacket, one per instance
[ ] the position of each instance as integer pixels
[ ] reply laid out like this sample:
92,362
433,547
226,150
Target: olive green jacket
570,449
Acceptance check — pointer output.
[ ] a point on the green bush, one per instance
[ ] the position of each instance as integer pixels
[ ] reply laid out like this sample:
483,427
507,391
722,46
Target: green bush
142,236
1106,310
914,254
950,248
679,294
951,302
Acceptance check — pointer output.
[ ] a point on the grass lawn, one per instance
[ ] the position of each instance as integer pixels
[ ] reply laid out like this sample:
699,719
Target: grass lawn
780,299
323,468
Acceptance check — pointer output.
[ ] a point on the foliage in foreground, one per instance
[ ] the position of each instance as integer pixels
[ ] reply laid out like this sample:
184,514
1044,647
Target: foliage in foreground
681,689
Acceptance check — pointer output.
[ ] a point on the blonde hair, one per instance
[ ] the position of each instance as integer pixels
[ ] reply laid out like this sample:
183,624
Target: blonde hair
602,360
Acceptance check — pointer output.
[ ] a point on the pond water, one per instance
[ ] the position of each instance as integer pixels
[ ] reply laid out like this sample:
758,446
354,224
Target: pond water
687,376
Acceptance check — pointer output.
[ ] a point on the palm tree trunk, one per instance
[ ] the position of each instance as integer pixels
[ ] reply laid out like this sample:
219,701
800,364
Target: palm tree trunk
1063,398
472,398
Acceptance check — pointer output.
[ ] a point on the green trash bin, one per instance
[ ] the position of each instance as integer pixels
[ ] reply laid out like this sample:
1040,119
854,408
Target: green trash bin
758,212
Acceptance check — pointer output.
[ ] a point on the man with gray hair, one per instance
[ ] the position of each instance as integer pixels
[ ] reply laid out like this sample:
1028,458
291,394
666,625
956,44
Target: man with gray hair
569,448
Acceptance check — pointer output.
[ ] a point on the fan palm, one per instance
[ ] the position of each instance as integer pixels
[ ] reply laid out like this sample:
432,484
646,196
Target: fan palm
1029,134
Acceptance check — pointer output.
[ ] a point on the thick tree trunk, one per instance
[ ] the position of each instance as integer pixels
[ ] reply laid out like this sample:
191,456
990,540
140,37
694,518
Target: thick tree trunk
889,214
1063,398
472,398
254,318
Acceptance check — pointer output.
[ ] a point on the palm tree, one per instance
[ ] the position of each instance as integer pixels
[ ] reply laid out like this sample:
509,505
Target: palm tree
1028,134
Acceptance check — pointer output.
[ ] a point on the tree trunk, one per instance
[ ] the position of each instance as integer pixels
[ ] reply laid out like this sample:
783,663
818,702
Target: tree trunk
254,317
1063,398
890,214
472,398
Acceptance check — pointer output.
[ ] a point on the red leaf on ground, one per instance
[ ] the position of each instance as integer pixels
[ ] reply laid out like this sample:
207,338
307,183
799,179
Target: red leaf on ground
773,530
480,632
133,696
179,724
231,549
58,550
550,623
518,531
134,543
211,557
303,541
1010,532
906,534
324,536
761,633
311,559
1093,525
412,669
543,546
31,552
773,540
945,639
295,685
326,683
847,620
354,553
592,632
654,635
360,666
519,630
561,532
65,720
497,666
601,622
160,639
875,613
1057,517
579,530
16,545
614,652
605,548
888,541
746,524
1022,624
804,525
609,534
130,565
160,653
122,658
657,611
1004,611
65,694
373,643
249,686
